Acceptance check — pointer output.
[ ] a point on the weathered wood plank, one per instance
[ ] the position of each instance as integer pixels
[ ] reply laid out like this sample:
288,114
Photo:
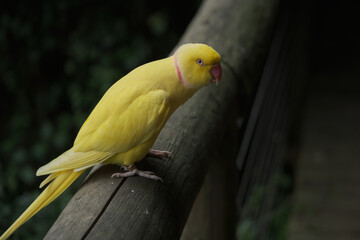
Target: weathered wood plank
213,214
138,208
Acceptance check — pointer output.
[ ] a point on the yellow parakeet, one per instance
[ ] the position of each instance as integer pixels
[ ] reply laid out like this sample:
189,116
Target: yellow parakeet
127,120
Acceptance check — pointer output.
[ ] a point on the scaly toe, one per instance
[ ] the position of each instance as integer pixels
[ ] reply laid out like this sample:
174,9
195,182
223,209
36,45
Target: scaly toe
132,171
125,174
149,175
159,153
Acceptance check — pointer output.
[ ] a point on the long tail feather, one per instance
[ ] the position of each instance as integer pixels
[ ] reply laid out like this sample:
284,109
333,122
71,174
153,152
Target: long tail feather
61,181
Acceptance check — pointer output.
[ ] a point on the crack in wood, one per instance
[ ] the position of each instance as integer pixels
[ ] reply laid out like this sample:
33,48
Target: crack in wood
104,208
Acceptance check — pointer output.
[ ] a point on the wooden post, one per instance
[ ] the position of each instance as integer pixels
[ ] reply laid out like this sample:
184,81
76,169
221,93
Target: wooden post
138,208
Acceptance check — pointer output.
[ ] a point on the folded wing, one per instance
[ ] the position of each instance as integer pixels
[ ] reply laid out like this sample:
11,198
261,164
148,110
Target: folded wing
110,130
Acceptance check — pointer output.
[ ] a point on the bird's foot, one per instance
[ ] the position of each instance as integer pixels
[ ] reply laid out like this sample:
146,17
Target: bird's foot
159,153
133,171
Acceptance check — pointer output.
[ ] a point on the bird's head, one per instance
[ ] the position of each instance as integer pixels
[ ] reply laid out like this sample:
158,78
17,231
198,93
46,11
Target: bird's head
197,65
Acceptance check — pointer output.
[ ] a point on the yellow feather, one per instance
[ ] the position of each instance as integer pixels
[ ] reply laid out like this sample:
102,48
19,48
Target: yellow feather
73,160
61,182
121,132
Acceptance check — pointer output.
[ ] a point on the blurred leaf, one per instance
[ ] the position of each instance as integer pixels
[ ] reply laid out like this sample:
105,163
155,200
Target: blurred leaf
247,230
157,23
27,174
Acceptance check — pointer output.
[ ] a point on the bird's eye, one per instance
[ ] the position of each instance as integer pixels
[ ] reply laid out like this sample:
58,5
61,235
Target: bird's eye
200,62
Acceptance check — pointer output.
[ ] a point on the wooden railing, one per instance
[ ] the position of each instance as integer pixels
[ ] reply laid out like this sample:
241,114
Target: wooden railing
202,133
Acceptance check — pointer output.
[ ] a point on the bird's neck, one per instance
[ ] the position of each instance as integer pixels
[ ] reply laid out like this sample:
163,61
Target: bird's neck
181,92
178,92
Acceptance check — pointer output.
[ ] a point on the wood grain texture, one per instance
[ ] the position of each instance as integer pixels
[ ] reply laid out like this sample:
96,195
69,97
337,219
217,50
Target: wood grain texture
138,208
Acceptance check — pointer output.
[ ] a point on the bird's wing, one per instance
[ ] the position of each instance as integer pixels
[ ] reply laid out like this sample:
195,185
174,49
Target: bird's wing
99,140
114,129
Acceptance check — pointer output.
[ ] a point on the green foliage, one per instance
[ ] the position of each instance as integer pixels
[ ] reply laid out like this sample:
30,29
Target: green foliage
57,60
247,230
